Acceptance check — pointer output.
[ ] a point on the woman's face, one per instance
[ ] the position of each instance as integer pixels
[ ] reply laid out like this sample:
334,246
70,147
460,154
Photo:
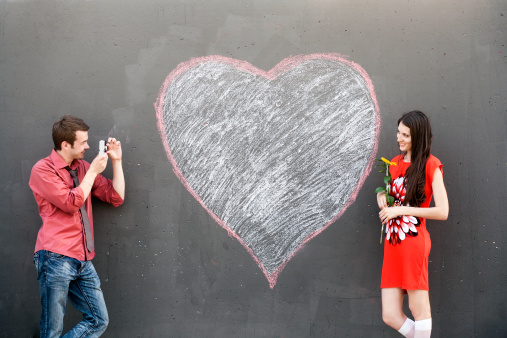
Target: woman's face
404,139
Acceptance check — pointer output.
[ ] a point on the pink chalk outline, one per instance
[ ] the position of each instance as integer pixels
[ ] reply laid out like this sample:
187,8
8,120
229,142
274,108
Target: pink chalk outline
280,68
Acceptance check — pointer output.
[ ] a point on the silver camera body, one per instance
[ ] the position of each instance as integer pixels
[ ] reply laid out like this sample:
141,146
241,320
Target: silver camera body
102,147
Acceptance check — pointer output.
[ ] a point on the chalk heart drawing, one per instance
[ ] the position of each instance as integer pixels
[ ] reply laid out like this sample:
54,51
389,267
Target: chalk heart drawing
274,157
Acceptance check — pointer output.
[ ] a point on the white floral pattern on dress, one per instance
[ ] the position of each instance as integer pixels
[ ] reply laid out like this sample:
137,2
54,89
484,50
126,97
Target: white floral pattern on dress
398,228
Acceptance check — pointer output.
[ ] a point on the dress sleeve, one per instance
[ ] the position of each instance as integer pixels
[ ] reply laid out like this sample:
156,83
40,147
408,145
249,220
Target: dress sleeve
394,170
432,164
396,159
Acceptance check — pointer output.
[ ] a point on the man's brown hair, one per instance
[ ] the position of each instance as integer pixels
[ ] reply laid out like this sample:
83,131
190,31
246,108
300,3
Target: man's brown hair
65,130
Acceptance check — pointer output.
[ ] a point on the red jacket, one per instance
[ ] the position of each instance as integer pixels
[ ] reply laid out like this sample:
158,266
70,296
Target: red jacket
59,202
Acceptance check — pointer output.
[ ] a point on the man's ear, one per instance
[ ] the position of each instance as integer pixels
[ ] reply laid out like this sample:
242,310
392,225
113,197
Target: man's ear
65,145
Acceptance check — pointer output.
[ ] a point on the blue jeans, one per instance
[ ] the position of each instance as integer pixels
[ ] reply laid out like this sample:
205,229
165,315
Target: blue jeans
60,277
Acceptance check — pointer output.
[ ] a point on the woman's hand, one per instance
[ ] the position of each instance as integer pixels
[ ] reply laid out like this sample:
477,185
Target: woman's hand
387,214
381,200
440,211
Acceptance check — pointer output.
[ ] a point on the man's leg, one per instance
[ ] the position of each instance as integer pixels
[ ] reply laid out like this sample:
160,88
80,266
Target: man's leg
54,273
86,296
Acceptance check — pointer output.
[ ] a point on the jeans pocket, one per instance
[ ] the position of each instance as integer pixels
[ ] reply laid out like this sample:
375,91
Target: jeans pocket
36,260
53,255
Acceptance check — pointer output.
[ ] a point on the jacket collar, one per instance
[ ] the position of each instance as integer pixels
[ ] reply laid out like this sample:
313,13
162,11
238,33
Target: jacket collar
60,163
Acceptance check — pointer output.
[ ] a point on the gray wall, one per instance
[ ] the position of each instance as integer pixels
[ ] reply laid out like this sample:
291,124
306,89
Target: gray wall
167,267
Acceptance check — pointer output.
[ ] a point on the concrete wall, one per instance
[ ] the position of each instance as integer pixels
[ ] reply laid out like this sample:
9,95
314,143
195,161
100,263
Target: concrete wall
169,263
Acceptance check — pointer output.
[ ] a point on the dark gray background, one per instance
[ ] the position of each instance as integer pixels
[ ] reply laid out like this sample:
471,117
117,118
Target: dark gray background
167,268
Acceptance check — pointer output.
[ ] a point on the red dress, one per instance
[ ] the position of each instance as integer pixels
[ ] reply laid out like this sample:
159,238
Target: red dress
407,242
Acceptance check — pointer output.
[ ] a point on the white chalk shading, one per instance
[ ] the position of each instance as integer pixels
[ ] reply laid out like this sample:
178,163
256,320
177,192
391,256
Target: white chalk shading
274,160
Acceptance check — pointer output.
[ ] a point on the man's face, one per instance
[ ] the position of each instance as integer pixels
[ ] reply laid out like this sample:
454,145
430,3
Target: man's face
77,150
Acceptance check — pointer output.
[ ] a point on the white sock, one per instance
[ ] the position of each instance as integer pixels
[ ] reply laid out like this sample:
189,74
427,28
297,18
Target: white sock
407,329
422,328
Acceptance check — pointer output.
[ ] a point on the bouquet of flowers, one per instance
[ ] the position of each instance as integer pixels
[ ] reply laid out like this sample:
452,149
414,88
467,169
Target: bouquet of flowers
384,165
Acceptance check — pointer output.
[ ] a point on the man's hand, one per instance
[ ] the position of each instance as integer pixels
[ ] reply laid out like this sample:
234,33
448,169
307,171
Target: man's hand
115,153
98,165
114,149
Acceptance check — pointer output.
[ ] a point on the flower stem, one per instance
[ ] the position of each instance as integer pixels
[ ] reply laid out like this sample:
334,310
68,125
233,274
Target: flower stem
388,186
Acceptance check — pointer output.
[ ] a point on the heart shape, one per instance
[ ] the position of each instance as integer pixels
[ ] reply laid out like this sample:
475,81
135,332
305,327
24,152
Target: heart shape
274,157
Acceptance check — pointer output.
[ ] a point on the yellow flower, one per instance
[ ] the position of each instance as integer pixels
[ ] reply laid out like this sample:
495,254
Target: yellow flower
388,162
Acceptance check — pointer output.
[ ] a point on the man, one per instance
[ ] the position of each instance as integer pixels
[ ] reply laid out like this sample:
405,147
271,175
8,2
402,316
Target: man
64,247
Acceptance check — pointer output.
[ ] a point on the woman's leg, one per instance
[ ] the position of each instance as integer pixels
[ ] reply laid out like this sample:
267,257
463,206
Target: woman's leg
419,304
392,310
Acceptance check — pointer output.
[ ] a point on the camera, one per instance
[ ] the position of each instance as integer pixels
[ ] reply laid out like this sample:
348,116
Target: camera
102,147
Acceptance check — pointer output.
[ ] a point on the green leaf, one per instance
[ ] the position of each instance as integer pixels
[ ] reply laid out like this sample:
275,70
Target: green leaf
380,189
390,200
387,179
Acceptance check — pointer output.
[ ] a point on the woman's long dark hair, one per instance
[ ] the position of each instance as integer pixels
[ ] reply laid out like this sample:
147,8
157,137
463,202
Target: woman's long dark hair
415,177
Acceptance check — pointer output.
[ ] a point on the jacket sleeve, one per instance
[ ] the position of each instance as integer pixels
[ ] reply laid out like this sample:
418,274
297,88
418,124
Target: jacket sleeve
103,189
47,183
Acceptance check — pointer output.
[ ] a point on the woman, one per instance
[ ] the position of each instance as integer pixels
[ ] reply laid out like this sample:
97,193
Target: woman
416,177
